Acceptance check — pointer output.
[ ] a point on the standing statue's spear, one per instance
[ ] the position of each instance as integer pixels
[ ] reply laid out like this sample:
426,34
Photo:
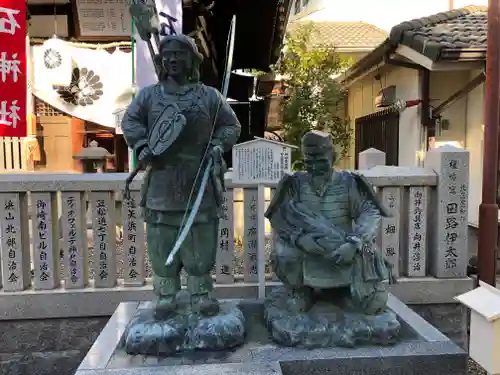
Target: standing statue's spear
147,23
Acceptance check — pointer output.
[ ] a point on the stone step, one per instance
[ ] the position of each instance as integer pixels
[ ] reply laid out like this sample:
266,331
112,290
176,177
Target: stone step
209,369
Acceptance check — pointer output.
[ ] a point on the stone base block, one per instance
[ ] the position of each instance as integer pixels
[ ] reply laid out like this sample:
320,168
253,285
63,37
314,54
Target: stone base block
326,325
149,336
422,349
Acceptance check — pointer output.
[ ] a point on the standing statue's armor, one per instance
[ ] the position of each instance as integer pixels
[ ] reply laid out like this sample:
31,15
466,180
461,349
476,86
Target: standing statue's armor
207,123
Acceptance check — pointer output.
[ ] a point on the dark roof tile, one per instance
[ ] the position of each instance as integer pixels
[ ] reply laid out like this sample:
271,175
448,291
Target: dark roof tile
457,29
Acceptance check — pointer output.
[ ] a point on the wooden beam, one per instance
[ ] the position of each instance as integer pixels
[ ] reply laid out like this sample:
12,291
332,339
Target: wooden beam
471,85
49,9
209,39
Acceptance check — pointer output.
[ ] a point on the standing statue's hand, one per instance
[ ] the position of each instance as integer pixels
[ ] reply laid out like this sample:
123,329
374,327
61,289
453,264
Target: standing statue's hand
145,155
344,254
217,151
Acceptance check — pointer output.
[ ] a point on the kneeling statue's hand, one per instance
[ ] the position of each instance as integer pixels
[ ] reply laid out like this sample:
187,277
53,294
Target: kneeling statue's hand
344,254
309,244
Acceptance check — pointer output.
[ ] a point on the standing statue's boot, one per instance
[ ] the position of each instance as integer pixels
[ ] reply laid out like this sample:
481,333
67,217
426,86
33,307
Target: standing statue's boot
202,301
300,299
166,289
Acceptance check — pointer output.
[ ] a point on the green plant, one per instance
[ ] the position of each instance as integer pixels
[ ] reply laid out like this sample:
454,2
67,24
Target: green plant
313,98
257,73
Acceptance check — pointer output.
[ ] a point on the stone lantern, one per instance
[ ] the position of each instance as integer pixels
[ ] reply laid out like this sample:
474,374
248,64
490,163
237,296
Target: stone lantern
93,158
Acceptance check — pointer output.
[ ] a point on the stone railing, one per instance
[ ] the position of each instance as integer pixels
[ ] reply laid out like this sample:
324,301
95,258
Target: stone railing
71,247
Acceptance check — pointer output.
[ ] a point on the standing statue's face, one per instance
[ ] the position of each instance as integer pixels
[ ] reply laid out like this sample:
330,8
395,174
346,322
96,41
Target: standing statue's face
176,59
318,163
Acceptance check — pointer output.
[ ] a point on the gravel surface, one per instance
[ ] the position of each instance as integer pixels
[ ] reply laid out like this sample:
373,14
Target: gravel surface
475,369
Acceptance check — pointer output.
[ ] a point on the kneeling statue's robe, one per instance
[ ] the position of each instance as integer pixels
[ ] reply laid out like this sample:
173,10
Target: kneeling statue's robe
347,206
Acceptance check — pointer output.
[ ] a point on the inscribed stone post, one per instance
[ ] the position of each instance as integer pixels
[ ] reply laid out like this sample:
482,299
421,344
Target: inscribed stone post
390,227
250,235
417,231
133,240
104,235
44,226
261,240
225,250
15,257
449,242
74,230
370,158
275,278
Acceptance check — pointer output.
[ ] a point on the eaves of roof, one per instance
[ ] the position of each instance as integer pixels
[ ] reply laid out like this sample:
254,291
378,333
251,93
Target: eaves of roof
456,35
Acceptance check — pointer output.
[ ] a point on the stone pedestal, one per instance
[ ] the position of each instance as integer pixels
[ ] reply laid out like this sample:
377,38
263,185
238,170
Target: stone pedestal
327,324
146,335
421,350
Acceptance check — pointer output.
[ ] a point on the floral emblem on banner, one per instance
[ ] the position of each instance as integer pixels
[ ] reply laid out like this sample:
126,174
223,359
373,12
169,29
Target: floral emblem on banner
85,88
52,59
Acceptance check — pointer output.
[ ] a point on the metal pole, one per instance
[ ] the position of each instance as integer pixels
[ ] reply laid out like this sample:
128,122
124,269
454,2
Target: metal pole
132,157
488,210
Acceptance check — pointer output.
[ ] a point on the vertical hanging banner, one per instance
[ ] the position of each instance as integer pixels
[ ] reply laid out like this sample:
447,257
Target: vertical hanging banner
13,82
170,15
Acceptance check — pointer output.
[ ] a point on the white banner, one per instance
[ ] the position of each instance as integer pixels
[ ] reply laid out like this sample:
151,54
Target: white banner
100,83
170,14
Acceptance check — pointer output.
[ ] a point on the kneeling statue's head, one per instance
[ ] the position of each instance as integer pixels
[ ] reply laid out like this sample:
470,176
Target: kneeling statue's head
319,152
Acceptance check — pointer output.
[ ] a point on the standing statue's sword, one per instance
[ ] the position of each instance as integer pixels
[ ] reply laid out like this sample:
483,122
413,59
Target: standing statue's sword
187,224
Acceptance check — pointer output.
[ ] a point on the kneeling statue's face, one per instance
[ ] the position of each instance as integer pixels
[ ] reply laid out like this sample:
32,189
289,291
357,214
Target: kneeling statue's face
318,163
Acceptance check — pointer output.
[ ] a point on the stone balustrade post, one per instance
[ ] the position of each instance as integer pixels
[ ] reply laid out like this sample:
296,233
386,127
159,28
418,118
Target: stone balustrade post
45,231
133,240
448,242
390,228
250,235
74,230
371,158
15,246
225,247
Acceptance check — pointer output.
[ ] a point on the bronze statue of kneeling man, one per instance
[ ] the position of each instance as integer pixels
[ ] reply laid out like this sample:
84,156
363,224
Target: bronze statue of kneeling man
325,224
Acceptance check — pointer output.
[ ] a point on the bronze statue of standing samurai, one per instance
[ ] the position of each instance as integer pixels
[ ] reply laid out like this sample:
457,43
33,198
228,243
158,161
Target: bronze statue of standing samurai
179,128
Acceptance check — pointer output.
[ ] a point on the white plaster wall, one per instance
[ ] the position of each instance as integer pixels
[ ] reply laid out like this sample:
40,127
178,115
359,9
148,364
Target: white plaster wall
474,143
382,13
361,102
442,86
466,125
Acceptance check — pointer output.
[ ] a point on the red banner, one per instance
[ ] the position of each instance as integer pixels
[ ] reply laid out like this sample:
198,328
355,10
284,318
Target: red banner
13,81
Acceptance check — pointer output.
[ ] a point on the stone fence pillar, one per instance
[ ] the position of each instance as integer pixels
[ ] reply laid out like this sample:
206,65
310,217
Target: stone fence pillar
370,158
448,240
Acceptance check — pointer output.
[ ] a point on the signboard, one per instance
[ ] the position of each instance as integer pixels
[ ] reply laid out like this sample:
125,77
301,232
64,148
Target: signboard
261,161
13,80
118,120
103,18
170,15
